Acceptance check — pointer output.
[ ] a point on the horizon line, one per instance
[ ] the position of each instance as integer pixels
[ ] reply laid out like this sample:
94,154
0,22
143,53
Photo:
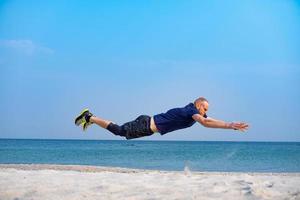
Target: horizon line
262,141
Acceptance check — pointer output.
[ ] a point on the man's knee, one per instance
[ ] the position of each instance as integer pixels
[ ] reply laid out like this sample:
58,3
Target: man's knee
116,129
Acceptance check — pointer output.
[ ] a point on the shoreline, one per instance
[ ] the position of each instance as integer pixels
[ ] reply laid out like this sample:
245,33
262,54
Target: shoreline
44,181
96,168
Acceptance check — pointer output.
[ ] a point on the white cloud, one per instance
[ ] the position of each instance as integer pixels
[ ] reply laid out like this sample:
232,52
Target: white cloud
26,47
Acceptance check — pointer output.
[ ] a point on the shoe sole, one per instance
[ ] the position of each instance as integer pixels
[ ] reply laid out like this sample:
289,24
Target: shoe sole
78,119
85,126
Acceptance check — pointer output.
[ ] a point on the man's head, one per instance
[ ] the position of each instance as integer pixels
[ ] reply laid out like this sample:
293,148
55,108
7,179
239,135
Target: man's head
202,105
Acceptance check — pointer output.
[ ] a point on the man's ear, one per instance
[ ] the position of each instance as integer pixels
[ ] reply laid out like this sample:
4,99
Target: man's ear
197,105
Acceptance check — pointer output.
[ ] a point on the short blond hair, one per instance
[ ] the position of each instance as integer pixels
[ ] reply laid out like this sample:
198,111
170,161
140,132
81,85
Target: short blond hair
200,99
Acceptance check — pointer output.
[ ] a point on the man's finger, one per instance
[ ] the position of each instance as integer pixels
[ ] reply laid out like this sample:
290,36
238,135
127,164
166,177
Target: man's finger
244,126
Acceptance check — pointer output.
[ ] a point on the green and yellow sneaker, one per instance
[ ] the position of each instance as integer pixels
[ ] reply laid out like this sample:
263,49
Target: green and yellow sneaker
83,118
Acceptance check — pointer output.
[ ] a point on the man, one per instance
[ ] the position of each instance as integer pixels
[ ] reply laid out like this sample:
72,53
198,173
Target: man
174,119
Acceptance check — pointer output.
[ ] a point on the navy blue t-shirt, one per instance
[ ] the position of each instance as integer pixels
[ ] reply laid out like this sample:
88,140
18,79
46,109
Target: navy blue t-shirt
176,118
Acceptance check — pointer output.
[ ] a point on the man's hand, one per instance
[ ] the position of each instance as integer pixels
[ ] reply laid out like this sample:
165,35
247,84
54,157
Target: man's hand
241,126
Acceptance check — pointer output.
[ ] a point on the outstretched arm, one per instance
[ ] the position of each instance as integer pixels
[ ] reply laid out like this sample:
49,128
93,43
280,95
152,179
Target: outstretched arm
213,123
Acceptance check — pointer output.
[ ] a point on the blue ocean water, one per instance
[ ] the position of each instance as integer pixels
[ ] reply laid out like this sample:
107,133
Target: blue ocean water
161,155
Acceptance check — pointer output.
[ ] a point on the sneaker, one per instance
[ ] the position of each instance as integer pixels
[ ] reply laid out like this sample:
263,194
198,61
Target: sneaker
83,118
86,125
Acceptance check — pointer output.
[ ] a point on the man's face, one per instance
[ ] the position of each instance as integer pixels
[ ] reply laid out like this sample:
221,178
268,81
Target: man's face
203,108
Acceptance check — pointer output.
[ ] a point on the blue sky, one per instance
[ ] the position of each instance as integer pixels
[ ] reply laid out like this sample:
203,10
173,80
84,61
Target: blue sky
126,58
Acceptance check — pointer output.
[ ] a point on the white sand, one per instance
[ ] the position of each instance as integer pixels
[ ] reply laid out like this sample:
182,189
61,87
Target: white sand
21,182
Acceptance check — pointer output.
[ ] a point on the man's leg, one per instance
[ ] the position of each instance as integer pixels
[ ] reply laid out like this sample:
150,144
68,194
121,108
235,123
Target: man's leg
138,128
109,125
86,118
101,122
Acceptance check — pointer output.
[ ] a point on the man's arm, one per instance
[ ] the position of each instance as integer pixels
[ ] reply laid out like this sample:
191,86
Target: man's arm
213,123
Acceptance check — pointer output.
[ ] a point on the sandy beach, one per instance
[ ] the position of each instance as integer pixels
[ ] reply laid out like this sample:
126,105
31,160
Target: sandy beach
91,182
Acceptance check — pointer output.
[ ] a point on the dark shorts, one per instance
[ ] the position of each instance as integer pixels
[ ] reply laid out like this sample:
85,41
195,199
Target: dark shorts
139,127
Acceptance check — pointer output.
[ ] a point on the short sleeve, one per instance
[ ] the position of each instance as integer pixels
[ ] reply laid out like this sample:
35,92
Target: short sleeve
192,111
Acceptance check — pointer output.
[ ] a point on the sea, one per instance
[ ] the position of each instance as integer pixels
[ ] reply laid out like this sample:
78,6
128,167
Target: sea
156,155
